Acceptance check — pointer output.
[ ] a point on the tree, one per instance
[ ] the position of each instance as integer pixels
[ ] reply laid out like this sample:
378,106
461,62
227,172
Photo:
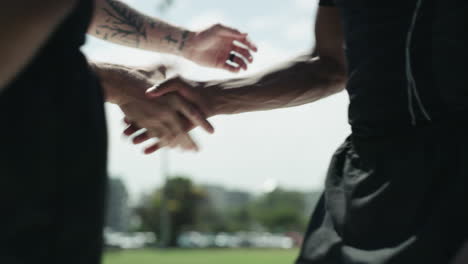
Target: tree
281,211
184,202
118,211
228,210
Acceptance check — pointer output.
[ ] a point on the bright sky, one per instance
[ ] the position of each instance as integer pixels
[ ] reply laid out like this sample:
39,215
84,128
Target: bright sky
291,147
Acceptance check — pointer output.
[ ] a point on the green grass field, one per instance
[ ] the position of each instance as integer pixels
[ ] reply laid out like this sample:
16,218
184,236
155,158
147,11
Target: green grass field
205,256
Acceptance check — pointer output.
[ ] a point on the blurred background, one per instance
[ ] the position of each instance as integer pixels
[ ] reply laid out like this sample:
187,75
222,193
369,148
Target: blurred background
247,195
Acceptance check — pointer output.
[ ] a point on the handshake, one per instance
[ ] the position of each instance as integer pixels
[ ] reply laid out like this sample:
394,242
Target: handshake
168,111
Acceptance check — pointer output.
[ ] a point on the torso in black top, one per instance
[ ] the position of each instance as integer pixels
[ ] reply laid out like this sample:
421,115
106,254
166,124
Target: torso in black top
395,191
376,39
53,154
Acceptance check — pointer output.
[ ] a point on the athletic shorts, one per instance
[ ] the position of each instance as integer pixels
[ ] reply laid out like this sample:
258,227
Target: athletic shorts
397,197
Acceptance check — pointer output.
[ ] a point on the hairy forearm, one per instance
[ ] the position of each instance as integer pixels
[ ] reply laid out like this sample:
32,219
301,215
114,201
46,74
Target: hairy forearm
117,22
301,81
122,83
25,25
110,74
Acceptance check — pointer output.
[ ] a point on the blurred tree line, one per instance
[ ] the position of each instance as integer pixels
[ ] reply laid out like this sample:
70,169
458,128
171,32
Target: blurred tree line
213,209
118,211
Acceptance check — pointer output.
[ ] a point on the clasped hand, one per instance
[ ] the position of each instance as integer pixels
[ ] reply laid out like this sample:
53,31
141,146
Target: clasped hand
168,118
171,115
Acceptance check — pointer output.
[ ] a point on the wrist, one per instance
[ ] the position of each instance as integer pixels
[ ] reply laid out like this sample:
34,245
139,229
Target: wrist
120,84
221,99
187,45
99,71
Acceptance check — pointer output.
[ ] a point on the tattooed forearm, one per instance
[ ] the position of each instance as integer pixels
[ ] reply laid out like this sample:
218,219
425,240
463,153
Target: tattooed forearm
185,36
170,39
119,23
125,24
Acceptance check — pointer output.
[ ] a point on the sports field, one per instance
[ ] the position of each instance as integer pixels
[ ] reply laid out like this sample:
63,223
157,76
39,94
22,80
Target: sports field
205,256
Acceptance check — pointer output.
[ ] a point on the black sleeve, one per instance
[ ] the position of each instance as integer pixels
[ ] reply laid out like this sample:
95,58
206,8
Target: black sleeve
327,3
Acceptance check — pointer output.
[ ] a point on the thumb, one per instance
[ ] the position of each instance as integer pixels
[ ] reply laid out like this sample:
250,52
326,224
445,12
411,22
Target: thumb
159,90
232,32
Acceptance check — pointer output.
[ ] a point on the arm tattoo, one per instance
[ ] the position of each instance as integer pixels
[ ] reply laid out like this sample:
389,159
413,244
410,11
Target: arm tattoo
170,40
124,23
185,36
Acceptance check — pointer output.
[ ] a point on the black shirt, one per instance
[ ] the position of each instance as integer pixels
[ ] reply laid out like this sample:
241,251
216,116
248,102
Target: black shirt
387,44
53,154
327,3
400,197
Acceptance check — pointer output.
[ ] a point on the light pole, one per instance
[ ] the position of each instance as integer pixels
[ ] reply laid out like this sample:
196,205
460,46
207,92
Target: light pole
165,217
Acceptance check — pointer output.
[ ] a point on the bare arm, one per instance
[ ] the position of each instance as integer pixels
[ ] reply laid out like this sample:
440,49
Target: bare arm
166,117
117,22
24,27
122,83
303,80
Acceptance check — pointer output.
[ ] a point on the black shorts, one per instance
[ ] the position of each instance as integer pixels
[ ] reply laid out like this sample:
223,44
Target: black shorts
398,198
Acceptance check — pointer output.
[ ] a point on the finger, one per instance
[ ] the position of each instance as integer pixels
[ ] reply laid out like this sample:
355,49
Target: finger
246,42
159,132
153,148
160,90
230,66
192,96
143,137
194,115
172,130
245,53
187,143
131,129
167,141
164,141
127,121
182,141
239,62
190,127
177,131
181,135
229,31
174,143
